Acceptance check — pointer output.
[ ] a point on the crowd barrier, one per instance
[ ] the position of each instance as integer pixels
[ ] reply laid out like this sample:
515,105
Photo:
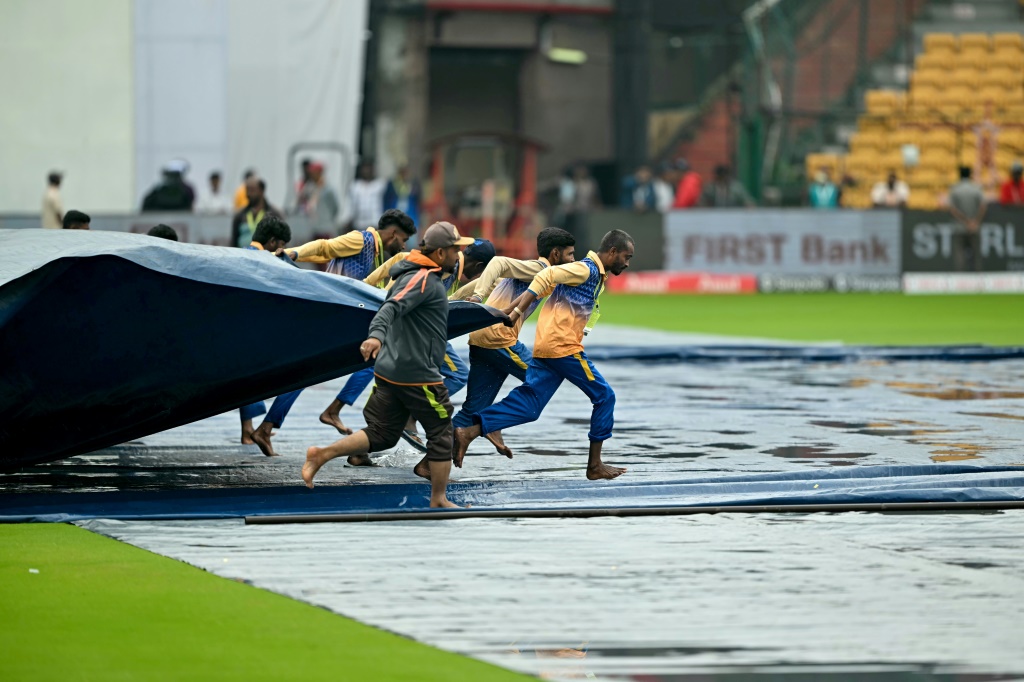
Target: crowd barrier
744,251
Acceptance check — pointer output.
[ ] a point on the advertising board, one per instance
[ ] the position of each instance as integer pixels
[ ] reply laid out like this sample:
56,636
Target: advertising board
783,242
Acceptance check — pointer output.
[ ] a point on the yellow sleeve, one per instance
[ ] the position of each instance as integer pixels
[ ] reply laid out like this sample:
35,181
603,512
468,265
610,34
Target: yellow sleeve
465,291
573,274
383,273
500,268
323,250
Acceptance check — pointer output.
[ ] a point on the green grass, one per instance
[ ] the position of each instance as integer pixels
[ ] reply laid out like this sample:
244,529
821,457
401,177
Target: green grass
102,610
852,318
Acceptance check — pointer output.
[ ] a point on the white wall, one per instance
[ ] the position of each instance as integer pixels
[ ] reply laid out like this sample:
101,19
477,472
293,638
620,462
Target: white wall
295,75
181,98
66,102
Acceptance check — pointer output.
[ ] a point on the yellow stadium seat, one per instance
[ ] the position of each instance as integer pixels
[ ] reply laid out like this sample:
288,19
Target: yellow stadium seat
923,201
1008,41
936,60
1003,77
869,140
815,162
964,76
1009,59
975,60
924,100
940,42
927,78
882,102
975,42
906,135
938,138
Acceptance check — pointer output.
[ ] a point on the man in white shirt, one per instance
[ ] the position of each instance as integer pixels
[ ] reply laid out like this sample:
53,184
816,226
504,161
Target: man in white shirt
366,197
53,207
892,193
214,202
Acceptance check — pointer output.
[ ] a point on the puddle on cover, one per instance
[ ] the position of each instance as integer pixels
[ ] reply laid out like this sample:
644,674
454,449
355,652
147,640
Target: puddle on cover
819,451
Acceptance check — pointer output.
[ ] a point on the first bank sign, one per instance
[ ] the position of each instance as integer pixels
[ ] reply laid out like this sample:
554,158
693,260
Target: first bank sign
779,241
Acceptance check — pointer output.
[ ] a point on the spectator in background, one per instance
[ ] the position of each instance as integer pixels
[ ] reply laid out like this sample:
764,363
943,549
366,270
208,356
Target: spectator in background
76,220
967,204
53,207
162,231
577,196
823,193
367,197
304,169
665,189
688,189
725,192
172,193
241,199
404,194
893,193
638,191
318,201
244,224
214,203
1012,191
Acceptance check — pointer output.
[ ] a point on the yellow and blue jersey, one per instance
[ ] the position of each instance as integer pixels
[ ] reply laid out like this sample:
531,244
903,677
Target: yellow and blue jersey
573,290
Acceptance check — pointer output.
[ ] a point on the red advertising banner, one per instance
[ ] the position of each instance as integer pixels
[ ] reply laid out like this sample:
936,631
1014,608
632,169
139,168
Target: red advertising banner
682,283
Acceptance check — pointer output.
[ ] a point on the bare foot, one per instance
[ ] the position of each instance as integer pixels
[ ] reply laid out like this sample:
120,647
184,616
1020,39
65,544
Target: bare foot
247,438
422,469
360,461
311,466
462,441
603,471
261,437
499,443
444,503
334,419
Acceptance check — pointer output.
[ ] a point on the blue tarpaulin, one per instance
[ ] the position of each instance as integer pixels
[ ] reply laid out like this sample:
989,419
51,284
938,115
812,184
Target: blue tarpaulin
107,337
832,486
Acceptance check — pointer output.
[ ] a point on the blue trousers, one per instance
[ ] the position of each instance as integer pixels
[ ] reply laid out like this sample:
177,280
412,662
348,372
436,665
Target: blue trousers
278,411
453,369
488,369
525,403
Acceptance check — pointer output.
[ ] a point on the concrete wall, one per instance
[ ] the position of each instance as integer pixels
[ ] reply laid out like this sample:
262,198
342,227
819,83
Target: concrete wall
423,90
66,86
570,107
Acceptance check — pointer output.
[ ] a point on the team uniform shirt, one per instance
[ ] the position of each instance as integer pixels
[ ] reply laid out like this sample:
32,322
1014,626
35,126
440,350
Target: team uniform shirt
572,308
354,254
381,277
502,282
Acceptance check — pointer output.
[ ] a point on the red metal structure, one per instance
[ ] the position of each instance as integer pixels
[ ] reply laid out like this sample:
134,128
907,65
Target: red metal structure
474,177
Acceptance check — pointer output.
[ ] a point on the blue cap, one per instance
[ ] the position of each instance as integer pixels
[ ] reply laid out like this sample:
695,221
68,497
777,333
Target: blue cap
481,251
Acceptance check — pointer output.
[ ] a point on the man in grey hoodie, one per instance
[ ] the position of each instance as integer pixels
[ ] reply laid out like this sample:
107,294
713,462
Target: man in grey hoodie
407,338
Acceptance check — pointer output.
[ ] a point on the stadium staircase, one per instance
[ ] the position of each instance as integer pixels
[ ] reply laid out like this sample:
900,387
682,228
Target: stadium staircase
825,70
967,79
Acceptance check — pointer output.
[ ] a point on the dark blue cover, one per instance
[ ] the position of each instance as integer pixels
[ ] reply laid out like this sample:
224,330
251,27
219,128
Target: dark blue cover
107,337
828,486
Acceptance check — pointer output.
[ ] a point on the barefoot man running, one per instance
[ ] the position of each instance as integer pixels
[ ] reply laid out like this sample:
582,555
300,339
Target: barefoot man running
407,338
558,352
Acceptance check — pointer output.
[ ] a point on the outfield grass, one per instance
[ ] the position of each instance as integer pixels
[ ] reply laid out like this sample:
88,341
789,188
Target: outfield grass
852,318
102,610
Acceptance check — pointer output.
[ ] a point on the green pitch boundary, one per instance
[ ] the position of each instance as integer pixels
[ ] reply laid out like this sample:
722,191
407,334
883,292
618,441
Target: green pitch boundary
870,319
99,609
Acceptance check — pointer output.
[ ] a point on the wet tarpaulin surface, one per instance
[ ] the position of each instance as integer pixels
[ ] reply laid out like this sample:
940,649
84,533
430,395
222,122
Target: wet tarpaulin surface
837,486
762,431
112,336
834,597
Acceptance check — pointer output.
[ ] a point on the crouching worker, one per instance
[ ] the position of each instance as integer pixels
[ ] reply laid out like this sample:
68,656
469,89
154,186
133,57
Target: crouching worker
408,337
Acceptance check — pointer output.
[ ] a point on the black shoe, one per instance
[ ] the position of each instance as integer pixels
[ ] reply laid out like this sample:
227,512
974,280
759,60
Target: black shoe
413,439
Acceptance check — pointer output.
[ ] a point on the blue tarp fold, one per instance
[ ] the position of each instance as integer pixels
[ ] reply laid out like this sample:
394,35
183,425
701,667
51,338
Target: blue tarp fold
108,337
